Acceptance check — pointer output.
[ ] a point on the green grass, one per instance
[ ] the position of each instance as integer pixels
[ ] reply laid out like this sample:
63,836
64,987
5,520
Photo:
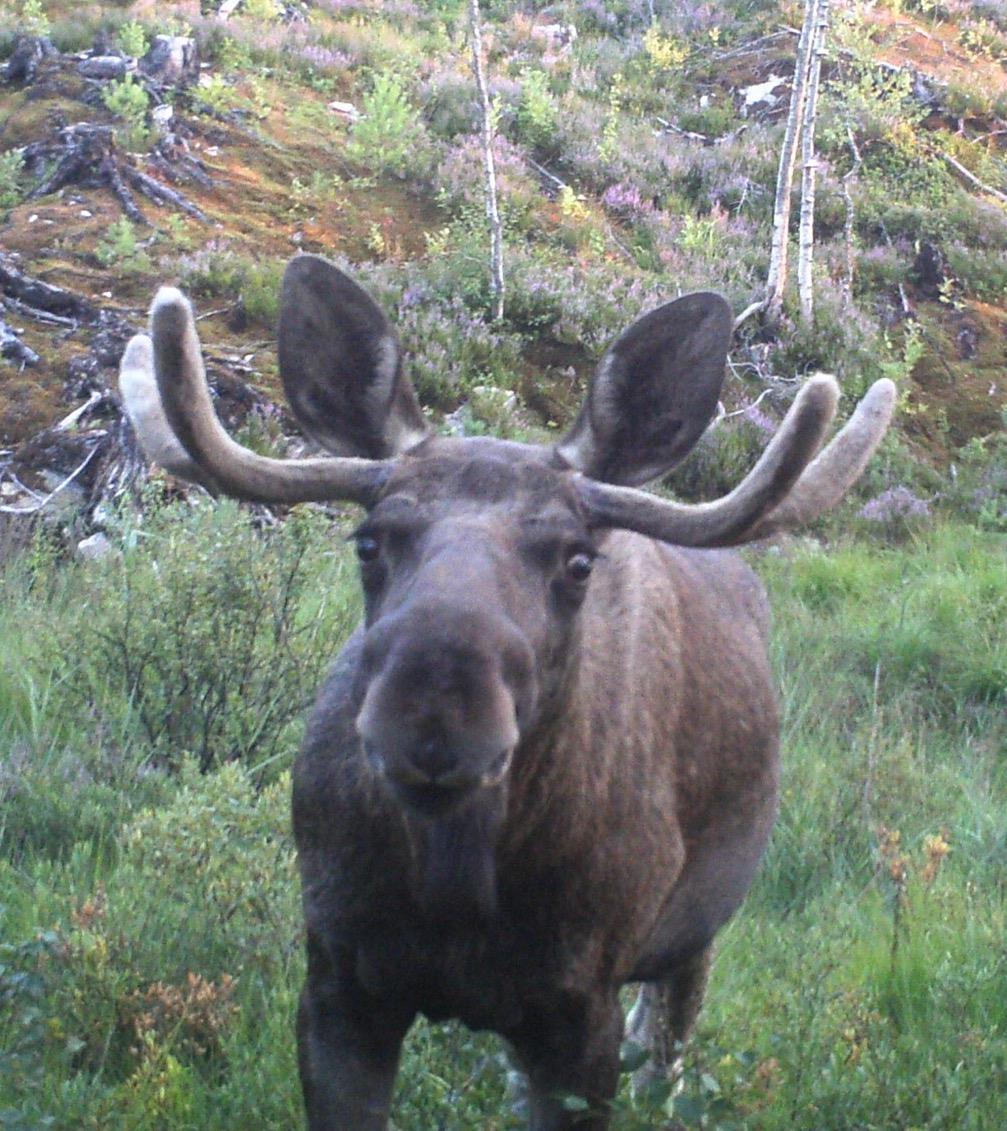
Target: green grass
842,997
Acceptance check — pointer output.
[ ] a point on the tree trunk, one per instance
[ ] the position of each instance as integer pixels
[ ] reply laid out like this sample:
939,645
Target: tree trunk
848,227
492,211
806,238
777,278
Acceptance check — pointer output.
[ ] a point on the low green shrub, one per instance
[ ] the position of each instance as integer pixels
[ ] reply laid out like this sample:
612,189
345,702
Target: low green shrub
209,636
390,135
11,185
129,102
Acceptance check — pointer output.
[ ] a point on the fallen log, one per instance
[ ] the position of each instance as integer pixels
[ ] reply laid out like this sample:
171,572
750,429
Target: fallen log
42,296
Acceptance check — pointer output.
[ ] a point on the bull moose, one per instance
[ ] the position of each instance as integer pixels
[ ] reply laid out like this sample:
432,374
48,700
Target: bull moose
545,765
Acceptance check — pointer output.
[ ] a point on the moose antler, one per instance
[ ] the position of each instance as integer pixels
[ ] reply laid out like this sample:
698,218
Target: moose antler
164,387
781,492
172,359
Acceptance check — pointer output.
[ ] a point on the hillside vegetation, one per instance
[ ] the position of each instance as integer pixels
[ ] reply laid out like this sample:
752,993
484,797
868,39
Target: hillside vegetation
151,701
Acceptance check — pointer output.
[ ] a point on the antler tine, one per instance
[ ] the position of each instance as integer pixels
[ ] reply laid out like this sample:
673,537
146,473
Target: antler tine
726,521
142,402
837,467
188,409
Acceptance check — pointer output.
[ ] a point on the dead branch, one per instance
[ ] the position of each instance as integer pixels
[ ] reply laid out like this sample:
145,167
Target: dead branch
14,349
777,277
90,154
56,490
492,211
806,231
552,184
973,179
702,139
42,296
848,180
161,194
752,308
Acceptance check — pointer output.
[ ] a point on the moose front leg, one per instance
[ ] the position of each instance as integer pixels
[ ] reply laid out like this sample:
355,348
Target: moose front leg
572,1052
348,1050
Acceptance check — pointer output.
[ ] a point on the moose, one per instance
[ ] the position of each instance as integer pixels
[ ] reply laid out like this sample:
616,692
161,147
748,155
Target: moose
545,765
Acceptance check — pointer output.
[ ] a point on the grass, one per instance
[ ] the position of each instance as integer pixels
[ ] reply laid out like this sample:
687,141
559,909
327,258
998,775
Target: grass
151,954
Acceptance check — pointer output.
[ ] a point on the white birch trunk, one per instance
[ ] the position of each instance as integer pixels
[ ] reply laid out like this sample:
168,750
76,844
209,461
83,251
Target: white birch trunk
848,227
776,280
492,211
809,173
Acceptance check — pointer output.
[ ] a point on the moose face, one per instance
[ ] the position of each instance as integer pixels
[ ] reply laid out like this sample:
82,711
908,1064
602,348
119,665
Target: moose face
474,564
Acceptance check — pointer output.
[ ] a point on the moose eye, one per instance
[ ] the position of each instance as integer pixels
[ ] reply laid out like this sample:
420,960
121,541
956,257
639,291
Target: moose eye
579,566
367,548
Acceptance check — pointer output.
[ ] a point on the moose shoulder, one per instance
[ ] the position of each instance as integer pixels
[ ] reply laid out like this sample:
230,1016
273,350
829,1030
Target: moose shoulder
545,765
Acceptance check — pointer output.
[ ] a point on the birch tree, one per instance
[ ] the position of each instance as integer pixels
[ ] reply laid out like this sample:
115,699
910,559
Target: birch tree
777,278
809,162
492,210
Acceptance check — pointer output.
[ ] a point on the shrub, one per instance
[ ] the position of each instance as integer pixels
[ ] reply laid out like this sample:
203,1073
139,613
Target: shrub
450,349
461,184
231,842
535,125
120,248
128,100
389,135
31,19
209,636
132,37
11,188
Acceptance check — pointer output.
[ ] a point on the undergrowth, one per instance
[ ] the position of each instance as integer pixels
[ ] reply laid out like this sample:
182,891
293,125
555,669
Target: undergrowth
151,955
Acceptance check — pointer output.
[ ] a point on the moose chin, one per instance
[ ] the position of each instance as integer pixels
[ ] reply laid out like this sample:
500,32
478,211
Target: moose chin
545,765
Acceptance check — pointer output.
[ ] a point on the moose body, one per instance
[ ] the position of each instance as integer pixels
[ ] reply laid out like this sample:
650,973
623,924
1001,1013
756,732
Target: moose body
636,813
546,764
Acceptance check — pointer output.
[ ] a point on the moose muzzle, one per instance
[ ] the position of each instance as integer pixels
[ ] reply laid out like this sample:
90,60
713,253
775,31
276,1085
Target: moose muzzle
439,720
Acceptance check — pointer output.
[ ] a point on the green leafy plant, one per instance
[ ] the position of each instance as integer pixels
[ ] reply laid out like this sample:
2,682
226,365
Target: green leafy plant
128,100
537,111
132,37
387,135
616,99
121,247
11,170
32,19
216,647
262,11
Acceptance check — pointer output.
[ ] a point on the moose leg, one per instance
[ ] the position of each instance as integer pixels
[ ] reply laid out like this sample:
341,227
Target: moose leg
572,1053
664,1015
348,1052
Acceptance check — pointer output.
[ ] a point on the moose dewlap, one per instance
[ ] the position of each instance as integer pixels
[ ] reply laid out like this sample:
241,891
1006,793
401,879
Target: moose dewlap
545,765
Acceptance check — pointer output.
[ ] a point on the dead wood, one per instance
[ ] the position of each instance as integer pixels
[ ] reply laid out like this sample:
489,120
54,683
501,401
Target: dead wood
161,194
14,349
90,155
40,296
23,63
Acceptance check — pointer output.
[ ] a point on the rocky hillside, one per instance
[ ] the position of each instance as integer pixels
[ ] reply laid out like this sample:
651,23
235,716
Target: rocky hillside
637,158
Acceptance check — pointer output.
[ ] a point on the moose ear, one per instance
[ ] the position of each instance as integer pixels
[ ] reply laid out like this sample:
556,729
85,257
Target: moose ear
654,392
341,365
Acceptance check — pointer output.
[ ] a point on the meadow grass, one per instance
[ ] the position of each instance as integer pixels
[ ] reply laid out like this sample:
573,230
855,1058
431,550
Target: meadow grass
150,956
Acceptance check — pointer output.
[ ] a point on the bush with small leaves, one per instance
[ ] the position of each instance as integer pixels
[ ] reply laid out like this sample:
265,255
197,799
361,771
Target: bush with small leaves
11,186
213,638
389,137
128,100
120,248
132,37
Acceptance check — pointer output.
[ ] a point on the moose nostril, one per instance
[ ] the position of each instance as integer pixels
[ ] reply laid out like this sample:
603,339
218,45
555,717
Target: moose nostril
434,757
